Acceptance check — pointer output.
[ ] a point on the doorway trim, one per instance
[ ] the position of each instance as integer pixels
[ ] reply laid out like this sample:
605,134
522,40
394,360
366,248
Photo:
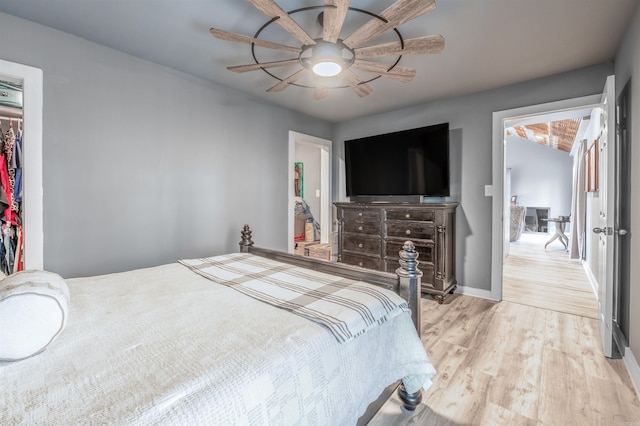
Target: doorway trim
324,145
499,175
32,104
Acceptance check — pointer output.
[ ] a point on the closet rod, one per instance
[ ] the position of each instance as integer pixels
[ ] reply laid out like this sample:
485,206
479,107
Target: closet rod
10,118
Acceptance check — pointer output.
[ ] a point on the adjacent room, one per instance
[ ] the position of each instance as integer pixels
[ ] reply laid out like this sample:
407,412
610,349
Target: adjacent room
380,212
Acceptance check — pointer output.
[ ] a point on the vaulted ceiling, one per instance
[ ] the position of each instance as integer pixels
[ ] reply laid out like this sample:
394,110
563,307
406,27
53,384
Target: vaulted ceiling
488,43
559,134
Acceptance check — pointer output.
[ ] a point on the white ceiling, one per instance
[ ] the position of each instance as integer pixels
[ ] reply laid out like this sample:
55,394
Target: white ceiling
489,43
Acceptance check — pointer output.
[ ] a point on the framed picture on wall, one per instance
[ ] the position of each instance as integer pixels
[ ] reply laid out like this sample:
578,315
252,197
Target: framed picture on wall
298,179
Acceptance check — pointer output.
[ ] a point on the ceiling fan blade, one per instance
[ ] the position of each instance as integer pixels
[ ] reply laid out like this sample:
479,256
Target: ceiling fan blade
333,18
361,89
265,65
287,81
396,14
272,10
414,46
320,93
402,74
239,38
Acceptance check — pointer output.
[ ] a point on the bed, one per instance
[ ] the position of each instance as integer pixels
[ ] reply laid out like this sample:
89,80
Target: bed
166,345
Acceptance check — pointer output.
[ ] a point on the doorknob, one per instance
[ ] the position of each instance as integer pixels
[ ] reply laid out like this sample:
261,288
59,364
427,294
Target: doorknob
621,231
600,231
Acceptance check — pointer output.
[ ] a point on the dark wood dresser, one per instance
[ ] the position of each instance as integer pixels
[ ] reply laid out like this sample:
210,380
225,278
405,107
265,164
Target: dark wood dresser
370,235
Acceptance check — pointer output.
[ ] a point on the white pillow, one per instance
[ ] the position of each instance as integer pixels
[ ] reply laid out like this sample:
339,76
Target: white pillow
33,312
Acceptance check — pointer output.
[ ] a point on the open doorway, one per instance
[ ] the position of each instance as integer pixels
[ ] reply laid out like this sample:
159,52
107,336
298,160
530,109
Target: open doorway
542,267
501,183
310,204
30,80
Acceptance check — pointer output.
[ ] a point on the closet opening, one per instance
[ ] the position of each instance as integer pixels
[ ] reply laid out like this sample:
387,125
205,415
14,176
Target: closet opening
28,119
11,191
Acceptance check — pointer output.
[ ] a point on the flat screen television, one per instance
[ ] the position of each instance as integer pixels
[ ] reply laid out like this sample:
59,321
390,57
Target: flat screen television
411,162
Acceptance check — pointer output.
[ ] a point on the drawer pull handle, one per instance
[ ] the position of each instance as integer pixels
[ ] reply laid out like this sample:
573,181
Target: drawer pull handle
408,216
408,232
360,228
360,264
360,245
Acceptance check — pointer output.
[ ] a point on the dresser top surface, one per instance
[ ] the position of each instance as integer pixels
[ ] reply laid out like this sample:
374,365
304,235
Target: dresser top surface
395,205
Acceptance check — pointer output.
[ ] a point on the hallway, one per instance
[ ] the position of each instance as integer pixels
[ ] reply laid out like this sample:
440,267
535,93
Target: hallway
547,279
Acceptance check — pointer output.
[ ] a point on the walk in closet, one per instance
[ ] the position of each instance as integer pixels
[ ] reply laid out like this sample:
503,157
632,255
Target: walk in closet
11,162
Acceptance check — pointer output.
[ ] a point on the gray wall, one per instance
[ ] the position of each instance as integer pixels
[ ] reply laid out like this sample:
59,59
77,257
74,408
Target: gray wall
628,67
470,119
541,176
144,165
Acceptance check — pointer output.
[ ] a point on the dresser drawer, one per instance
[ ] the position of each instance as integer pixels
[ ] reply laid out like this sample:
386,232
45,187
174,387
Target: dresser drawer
366,215
412,230
408,214
361,244
370,228
362,261
425,250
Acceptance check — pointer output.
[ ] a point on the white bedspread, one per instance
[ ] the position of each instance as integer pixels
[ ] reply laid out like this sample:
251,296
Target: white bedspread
166,346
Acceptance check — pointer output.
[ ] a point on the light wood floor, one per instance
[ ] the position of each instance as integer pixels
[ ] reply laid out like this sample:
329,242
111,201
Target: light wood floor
510,364
547,278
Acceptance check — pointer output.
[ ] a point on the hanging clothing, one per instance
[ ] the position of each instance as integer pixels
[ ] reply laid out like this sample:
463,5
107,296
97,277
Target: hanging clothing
11,233
9,144
9,243
6,188
16,163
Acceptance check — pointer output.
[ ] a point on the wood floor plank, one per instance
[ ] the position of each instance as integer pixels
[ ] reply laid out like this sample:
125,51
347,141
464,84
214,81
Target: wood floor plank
490,345
467,323
517,384
497,415
564,396
611,393
465,397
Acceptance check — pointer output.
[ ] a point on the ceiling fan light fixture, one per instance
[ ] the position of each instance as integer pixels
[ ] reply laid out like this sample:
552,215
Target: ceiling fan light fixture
327,68
326,59
329,57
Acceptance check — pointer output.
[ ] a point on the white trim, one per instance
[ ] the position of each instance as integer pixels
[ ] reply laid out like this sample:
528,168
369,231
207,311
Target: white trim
31,79
475,292
325,177
498,170
633,368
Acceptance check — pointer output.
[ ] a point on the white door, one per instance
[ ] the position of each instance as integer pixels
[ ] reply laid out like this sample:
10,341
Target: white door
605,230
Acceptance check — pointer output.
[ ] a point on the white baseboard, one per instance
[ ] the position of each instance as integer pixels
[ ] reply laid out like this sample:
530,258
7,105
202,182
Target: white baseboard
475,292
634,369
592,280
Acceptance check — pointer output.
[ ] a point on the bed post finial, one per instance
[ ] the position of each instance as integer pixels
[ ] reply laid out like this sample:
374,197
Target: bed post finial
246,240
410,280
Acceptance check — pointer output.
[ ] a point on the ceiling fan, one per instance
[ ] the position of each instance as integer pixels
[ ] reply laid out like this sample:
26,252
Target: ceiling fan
328,62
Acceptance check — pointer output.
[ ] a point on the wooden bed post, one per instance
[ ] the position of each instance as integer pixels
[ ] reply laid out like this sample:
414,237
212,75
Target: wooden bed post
409,277
246,240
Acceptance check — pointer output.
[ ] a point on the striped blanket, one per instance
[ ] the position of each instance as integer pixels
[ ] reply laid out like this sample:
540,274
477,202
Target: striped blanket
345,307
